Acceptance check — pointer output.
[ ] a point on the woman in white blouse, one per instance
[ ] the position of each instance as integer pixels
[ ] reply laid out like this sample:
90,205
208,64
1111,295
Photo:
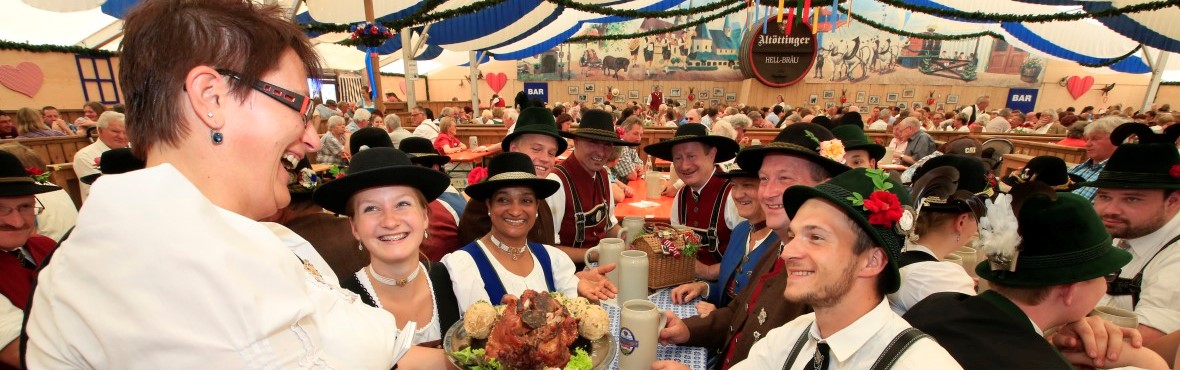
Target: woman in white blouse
948,193
503,261
385,197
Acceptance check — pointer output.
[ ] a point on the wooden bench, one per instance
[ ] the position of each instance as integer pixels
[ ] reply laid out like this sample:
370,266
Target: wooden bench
1032,148
1014,162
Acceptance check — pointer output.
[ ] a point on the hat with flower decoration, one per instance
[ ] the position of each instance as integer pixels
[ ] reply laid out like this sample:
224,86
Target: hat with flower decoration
877,203
1151,163
1023,240
694,133
806,140
508,170
16,180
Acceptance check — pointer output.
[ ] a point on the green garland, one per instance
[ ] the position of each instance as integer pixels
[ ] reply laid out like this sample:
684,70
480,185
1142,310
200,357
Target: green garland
20,46
727,11
924,36
1028,18
1115,60
628,13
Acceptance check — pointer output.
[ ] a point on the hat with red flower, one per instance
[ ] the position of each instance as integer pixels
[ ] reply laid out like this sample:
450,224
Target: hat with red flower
876,202
16,180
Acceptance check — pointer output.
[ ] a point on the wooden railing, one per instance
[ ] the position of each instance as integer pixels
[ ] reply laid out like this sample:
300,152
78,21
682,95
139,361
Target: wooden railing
1068,153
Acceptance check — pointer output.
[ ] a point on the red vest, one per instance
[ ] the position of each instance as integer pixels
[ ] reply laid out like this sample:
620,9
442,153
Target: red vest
443,231
587,204
18,280
706,214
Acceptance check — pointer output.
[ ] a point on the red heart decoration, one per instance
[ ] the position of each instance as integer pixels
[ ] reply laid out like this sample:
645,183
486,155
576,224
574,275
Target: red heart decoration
1078,86
26,78
496,81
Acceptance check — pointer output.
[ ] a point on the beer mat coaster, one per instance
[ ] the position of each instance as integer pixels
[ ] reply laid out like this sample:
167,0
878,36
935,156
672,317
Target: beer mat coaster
644,204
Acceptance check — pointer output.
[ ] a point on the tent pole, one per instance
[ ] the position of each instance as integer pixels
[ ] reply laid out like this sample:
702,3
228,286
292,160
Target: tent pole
411,69
375,91
474,65
1157,73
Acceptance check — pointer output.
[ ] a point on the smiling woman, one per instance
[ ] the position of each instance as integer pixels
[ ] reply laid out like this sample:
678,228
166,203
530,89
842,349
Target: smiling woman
220,123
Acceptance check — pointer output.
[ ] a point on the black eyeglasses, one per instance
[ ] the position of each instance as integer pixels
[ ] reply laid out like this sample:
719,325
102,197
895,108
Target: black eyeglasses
291,99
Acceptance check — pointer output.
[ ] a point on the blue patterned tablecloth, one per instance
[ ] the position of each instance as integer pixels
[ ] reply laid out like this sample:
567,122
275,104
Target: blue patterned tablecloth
695,357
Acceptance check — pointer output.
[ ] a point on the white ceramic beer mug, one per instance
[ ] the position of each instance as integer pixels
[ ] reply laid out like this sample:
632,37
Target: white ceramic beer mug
632,227
654,185
632,275
608,252
639,334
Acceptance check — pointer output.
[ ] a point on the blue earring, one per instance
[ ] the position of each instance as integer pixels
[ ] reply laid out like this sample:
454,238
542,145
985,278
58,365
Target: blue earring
215,134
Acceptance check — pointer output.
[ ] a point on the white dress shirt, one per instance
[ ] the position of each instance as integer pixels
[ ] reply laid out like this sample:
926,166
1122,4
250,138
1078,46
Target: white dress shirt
158,277
879,125
84,163
427,129
921,279
59,216
557,206
302,248
855,347
469,287
10,321
1159,301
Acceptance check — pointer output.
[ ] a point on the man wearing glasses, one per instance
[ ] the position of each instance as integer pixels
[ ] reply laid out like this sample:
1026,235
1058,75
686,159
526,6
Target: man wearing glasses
21,251
423,118
910,143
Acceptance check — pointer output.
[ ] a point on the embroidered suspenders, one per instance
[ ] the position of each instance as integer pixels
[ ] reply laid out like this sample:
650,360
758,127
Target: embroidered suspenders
1134,286
583,219
708,236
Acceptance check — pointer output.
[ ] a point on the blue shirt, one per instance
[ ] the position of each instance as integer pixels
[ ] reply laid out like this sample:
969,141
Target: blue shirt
1088,170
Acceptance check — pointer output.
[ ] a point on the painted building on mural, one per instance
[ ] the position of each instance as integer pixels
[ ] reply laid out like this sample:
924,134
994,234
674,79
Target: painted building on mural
714,48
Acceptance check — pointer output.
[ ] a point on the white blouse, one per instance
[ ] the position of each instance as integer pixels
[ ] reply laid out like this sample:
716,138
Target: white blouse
921,279
424,333
469,286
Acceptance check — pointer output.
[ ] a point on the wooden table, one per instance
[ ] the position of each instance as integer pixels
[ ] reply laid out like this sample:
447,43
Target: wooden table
659,213
471,157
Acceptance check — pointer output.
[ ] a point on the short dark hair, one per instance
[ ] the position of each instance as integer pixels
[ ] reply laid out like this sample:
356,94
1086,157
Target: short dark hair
47,107
233,34
429,113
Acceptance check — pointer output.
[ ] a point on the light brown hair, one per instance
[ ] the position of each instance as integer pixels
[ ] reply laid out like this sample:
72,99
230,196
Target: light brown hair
233,34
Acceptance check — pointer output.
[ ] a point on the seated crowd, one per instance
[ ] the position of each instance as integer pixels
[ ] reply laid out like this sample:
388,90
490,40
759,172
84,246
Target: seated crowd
225,249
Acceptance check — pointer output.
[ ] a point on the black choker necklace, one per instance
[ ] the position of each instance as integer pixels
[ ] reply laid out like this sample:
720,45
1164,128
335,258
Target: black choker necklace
758,226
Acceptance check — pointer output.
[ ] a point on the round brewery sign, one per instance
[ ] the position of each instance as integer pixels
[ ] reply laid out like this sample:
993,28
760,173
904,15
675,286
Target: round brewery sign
775,58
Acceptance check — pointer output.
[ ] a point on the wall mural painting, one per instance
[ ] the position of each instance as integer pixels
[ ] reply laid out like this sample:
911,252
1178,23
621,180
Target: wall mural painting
858,53
707,52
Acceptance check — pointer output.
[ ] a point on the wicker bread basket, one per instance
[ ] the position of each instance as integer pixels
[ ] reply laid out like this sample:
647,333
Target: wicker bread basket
664,268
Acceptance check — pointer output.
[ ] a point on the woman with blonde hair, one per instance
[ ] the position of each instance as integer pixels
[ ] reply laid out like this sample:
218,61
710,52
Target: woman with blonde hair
28,124
447,142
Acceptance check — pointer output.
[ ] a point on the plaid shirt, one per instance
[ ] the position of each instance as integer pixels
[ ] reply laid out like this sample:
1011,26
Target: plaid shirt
627,162
330,149
1088,170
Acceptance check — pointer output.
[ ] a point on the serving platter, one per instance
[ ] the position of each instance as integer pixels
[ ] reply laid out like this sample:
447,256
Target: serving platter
602,351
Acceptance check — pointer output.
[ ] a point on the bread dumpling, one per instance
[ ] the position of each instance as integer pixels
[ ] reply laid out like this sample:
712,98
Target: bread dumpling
478,319
594,322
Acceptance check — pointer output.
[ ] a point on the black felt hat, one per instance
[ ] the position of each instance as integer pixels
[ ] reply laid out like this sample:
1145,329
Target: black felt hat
371,137
15,180
854,138
1047,169
536,120
733,171
799,139
972,171
422,151
694,133
1062,241
1140,166
511,169
598,125
850,191
113,162
380,167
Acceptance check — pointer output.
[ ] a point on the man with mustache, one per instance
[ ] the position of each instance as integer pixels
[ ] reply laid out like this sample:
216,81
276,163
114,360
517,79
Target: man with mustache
21,250
537,136
1138,200
703,204
793,158
583,209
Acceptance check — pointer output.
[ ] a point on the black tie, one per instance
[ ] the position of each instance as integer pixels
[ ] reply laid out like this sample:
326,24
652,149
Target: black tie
24,260
820,361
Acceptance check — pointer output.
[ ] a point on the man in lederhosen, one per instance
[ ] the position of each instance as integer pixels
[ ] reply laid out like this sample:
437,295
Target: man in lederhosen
583,209
703,203
1138,201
